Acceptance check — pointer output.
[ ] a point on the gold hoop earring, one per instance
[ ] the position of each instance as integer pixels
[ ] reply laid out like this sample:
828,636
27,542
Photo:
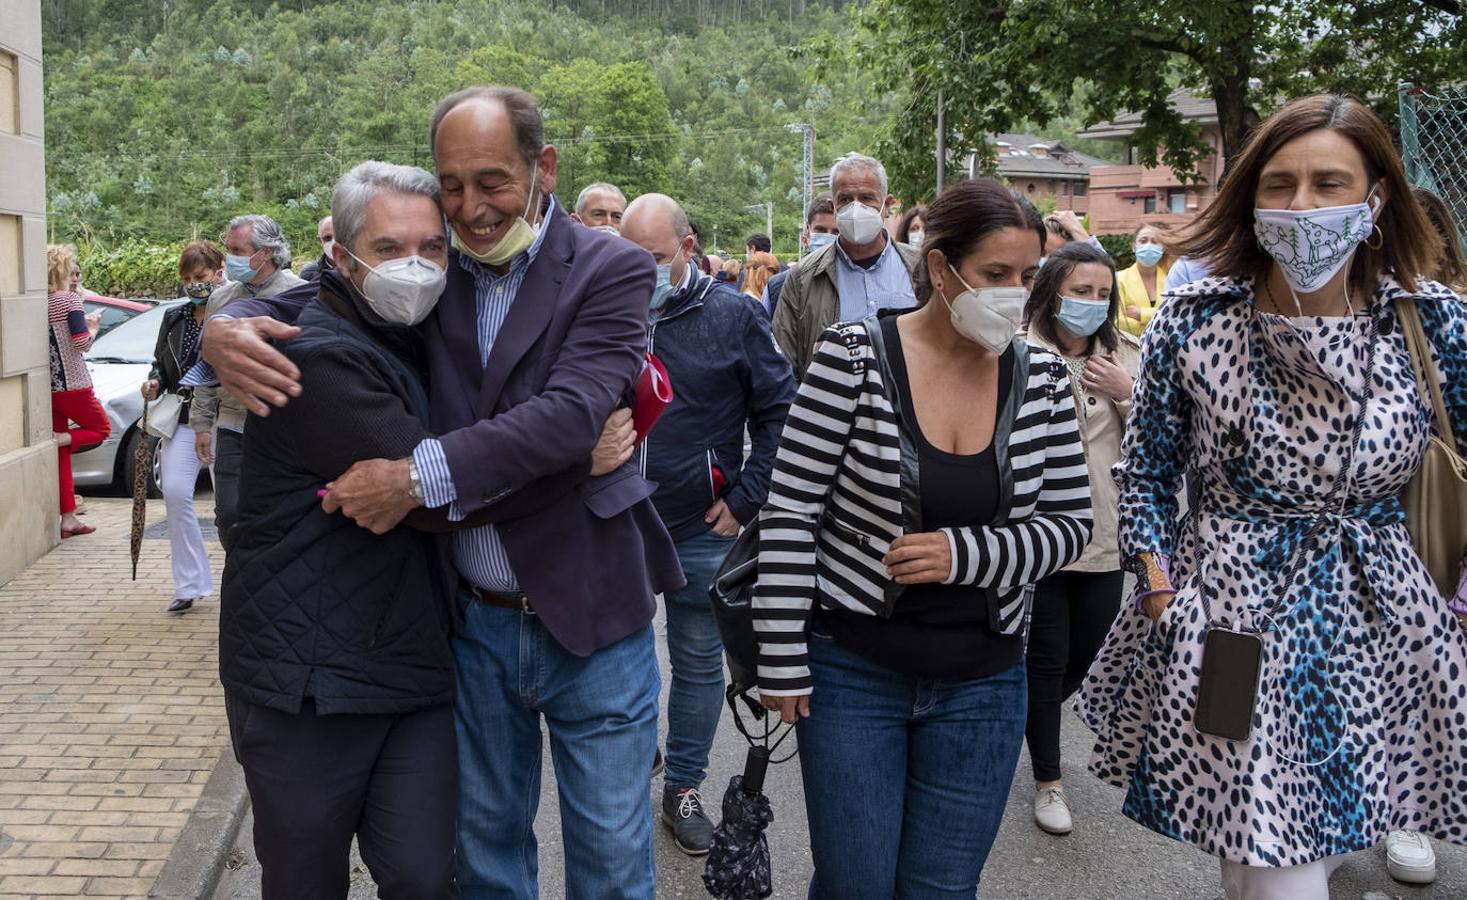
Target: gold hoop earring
1380,239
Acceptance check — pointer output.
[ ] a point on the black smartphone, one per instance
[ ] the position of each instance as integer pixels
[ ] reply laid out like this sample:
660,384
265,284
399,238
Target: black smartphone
1227,691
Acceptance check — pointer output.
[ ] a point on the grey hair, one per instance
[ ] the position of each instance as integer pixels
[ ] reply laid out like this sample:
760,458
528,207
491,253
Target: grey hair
598,186
361,186
858,161
525,118
265,233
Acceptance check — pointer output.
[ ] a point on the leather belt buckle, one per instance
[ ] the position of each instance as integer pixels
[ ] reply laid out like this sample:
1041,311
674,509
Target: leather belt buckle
518,602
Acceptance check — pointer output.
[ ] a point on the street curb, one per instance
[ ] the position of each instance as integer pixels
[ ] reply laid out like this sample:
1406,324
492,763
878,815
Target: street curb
196,861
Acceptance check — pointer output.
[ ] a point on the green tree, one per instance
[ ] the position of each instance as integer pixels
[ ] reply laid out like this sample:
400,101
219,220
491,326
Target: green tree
622,131
1002,62
165,119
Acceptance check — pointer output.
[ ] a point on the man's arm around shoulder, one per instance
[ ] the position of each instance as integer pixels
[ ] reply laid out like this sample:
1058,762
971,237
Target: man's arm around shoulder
237,344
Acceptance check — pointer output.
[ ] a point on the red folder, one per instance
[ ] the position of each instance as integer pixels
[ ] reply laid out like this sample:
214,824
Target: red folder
654,393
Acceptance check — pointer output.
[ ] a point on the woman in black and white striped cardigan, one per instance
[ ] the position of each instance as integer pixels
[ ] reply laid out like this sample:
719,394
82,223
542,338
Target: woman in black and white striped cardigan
930,472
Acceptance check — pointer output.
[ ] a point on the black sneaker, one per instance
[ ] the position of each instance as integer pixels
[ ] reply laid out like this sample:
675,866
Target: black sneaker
682,811
658,763
180,605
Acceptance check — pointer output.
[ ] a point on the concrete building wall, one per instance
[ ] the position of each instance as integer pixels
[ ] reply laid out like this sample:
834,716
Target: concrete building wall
1065,193
1119,194
28,499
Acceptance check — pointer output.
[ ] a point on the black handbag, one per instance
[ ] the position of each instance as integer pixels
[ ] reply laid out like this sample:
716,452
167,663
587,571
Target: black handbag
732,593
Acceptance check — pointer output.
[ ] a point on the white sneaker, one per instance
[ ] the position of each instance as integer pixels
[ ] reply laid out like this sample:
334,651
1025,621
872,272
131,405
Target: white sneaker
1409,857
1051,812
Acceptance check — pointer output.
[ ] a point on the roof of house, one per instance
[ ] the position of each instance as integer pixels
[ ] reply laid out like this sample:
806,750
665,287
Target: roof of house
1192,107
1022,162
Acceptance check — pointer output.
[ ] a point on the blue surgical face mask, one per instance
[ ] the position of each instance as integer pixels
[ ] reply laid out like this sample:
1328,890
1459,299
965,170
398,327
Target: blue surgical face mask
663,290
818,240
1082,318
238,268
1149,254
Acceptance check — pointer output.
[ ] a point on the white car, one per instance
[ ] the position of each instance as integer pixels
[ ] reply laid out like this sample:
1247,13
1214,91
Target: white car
119,362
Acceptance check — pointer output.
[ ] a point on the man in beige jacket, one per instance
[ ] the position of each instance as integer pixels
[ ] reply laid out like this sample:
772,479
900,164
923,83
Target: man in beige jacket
255,265
862,271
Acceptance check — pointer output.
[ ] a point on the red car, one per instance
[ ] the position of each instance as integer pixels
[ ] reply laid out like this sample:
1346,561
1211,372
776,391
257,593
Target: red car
113,310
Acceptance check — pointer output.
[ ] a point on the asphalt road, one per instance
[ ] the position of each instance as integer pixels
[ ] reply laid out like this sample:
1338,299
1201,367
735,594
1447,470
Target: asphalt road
1107,857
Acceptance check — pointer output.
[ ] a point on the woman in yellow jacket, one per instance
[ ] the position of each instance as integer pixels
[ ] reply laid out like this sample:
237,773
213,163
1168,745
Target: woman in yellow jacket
1141,284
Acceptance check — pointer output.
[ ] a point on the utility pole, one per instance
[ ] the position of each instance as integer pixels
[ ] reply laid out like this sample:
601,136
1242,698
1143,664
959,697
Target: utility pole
768,208
807,169
941,143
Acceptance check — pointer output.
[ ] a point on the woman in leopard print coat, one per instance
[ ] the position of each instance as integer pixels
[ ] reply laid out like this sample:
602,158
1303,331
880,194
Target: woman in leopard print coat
1286,386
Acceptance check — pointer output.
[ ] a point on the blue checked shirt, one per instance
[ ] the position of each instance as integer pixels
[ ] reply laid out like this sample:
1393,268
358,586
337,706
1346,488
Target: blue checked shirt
478,552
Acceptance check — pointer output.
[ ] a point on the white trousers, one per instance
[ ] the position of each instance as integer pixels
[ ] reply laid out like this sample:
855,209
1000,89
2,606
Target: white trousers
1306,882
192,578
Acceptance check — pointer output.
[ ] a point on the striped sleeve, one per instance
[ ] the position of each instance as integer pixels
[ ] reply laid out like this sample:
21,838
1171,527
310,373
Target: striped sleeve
437,480
1022,552
67,306
810,452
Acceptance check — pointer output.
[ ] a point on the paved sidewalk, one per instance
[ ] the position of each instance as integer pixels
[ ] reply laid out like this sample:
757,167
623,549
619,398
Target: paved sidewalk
111,719
111,716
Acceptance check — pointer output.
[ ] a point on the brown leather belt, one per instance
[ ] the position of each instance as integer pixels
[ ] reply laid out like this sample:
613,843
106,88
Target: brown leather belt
517,602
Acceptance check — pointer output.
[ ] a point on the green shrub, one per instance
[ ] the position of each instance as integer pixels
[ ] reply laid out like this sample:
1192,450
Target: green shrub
1119,248
131,269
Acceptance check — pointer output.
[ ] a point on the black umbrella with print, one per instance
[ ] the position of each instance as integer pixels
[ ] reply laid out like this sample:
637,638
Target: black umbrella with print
738,857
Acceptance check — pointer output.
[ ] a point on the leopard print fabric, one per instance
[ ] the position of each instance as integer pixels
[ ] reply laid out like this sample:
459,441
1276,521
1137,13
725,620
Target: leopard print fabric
1361,721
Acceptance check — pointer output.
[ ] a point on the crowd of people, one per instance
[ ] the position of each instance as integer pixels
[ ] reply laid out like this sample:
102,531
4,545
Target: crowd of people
448,514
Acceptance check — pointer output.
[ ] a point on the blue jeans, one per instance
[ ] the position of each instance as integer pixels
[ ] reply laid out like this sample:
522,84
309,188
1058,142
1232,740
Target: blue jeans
905,778
695,699
601,712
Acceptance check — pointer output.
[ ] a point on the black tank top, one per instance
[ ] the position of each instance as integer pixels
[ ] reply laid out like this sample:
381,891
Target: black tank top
937,630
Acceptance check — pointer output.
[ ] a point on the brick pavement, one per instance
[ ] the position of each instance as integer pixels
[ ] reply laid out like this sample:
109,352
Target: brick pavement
111,716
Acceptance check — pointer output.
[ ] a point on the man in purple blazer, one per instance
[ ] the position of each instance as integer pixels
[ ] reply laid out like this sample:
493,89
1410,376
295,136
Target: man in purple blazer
538,338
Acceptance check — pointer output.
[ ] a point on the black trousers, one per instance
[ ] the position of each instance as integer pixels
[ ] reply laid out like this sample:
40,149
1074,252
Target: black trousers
315,781
1072,613
228,456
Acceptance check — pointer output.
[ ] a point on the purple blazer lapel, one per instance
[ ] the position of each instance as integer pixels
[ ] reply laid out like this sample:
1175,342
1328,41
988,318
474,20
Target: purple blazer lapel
531,311
454,328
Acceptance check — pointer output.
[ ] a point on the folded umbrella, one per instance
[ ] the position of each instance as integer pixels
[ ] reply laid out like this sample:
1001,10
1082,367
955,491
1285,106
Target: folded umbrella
738,856
142,474
738,866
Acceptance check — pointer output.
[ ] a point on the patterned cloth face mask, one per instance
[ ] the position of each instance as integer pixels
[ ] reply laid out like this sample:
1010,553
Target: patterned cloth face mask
1312,245
199,292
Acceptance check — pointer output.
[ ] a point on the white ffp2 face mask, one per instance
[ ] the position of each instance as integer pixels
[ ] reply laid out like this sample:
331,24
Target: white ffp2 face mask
858,223
989,317
402,291
1312,245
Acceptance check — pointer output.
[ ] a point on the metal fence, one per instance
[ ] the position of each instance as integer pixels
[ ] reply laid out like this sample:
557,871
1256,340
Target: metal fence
1434,146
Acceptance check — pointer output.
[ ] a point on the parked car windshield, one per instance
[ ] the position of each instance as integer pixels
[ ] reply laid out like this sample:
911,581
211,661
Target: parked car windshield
132,341
112,316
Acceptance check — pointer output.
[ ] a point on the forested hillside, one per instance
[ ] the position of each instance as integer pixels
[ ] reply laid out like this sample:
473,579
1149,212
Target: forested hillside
166,118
